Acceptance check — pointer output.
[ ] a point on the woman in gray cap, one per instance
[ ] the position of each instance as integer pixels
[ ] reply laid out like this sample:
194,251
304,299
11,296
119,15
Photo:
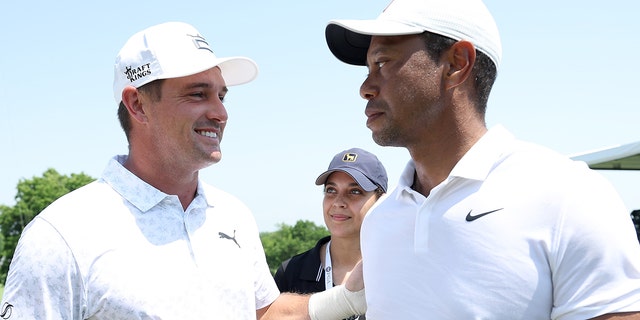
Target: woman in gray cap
354,181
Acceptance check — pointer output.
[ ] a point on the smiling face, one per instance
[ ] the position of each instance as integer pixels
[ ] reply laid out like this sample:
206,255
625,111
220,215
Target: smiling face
345,204
185,126
403,90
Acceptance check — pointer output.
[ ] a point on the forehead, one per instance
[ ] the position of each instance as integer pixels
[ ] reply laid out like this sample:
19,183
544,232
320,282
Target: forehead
211,78
395,44
389,42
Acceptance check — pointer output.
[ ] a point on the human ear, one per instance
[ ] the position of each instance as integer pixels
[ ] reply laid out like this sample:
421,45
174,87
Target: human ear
132,99
461,58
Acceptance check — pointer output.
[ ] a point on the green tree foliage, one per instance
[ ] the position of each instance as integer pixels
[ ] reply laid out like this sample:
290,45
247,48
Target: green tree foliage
33,196
288,241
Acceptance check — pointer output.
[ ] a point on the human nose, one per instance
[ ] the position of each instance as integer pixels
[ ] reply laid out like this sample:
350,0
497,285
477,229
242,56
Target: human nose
367,90
339,201
217,111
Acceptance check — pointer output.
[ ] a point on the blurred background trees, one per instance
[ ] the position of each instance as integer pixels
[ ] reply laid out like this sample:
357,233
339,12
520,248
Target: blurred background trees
287,241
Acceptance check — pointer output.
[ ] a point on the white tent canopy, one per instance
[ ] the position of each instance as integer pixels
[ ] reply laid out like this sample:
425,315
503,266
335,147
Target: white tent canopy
620,157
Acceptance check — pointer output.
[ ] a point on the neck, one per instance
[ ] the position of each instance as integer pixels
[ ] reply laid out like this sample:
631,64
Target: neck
435,159
345,252
167,180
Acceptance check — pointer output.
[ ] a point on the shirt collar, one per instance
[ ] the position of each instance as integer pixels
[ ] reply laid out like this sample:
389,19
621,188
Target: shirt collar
143,195
133,189
483,156
476,164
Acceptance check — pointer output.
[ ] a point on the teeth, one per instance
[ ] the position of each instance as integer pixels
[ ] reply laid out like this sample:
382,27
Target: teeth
208,134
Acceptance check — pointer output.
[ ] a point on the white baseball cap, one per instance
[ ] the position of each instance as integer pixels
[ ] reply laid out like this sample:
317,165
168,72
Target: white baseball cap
467,20
172,50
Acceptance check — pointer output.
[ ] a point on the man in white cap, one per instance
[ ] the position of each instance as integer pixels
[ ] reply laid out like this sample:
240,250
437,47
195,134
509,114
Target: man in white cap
149,239
481,225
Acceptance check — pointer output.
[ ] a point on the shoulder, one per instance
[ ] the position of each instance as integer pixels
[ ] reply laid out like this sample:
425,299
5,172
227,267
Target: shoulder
82,203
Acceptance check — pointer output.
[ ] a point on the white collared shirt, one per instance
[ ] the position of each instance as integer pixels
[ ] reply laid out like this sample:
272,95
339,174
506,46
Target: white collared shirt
515,232
120,249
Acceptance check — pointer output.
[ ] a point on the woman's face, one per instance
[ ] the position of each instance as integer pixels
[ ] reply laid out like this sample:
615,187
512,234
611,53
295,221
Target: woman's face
345,204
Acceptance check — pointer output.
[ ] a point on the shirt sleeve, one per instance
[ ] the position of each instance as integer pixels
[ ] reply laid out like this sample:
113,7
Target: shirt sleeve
596,265
43,280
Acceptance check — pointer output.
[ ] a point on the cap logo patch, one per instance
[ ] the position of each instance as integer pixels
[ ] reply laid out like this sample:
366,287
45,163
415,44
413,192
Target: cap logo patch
200,42
349,157
140,72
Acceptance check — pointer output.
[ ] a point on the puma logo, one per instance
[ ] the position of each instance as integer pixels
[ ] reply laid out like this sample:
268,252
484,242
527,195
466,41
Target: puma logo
225,236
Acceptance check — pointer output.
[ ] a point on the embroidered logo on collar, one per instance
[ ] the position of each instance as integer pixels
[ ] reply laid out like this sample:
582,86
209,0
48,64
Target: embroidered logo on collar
225,236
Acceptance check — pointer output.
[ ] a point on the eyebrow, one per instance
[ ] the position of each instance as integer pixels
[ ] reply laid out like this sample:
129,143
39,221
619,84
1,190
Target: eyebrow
203,85
352,184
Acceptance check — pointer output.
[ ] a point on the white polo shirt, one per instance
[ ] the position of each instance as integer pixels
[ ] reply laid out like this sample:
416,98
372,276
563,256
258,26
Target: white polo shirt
120,249
515,232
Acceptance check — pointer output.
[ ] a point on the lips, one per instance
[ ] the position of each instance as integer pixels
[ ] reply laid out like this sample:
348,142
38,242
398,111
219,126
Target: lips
372,113
340,217
372,117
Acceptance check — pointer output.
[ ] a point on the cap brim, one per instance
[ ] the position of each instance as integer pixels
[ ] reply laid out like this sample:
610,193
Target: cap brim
238,70
358,176
349,40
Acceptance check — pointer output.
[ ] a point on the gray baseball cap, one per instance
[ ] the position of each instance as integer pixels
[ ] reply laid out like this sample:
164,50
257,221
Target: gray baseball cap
363,166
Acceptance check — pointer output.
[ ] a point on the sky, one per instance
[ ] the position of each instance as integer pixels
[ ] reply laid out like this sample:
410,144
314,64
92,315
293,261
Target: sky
567,81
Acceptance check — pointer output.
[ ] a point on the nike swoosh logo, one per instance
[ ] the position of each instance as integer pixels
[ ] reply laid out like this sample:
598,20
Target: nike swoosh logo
477,216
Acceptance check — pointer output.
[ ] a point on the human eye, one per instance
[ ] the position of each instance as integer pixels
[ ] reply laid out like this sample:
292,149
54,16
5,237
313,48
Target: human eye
329,190
376,66
356,191
198,94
